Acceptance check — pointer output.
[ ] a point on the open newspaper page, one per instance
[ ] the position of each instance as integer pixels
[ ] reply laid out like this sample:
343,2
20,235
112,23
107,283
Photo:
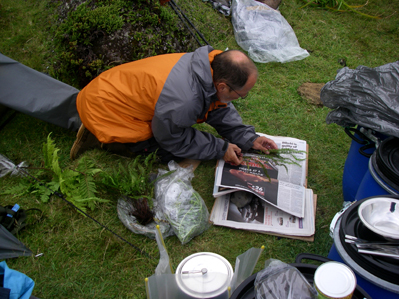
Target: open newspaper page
281,186
262,217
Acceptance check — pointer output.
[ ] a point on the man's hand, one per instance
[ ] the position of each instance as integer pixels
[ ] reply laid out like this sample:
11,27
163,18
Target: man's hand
233,155
264,144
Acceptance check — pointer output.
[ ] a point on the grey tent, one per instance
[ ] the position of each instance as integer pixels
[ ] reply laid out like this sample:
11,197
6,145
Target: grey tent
10,246
37,94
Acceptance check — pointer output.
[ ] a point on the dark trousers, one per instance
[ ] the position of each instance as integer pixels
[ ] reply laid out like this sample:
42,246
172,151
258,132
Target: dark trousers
141,148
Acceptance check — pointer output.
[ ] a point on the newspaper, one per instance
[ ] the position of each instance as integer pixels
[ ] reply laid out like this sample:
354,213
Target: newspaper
259,216
281,186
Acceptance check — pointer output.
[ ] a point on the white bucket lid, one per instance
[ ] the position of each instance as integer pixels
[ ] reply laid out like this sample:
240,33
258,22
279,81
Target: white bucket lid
204,275
335,280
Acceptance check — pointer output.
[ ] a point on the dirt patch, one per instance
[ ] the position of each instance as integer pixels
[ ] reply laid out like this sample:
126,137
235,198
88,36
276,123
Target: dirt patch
311,92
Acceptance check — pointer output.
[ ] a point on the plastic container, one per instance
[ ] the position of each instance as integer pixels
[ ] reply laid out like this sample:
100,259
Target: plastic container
382,175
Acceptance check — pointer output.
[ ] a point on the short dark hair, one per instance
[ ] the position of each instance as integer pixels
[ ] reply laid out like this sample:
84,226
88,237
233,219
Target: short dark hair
234,73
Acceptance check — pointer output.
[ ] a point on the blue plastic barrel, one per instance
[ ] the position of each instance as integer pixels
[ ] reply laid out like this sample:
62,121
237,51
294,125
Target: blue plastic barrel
356,163
363,145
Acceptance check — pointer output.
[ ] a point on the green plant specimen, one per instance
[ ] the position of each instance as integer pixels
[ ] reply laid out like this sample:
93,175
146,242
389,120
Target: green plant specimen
133,182
338,5
283,156
183,207
76,185
132,179
192,217
279,157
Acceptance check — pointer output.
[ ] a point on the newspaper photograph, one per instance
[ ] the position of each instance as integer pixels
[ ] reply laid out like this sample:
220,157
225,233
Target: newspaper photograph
259,216
282,186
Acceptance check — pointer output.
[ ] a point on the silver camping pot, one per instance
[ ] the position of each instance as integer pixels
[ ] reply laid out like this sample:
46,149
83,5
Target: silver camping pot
204,275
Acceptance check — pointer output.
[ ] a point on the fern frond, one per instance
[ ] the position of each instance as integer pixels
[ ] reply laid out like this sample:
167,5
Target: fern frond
87,187
135,161
87,167
18,190
50,153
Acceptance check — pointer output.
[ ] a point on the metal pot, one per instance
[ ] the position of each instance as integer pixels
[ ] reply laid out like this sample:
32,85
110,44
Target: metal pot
204,275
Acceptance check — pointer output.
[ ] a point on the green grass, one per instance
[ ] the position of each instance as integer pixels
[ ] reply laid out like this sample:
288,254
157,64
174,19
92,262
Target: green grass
82,259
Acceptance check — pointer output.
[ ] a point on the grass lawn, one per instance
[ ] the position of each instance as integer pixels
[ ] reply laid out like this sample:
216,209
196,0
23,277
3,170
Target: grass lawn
83,260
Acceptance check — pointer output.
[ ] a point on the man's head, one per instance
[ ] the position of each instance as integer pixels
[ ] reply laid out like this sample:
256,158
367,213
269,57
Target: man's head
234,75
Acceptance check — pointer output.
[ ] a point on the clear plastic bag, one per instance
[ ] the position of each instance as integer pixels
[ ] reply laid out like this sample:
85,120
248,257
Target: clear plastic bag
223,6
164,266
182,206
124,207
368,97
264,33
8,167
280,280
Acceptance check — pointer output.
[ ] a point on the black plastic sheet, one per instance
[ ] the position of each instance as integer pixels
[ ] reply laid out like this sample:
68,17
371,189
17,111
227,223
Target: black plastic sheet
368,97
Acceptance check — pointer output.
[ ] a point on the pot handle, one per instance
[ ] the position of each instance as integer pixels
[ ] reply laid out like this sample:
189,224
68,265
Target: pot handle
311,256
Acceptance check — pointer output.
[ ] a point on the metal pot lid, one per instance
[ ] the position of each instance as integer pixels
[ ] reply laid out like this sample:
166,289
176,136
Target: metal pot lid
381,269
204,275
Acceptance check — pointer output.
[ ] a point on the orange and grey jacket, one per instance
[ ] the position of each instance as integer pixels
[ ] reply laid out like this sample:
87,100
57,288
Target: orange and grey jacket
163,96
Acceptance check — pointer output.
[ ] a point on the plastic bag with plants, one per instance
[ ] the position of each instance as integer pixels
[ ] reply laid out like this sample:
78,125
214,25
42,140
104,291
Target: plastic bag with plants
126,208
137,208
182,206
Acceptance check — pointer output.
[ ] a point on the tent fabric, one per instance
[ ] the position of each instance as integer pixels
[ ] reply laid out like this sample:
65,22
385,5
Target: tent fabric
37,94
10,246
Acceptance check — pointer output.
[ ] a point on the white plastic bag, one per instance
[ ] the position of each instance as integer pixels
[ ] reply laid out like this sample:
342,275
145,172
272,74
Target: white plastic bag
264,33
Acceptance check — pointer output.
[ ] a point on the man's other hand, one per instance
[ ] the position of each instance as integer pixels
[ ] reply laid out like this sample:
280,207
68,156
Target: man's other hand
233,155
264,144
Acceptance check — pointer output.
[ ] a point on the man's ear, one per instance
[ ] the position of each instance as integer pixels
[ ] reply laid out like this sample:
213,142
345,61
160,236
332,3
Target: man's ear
221,86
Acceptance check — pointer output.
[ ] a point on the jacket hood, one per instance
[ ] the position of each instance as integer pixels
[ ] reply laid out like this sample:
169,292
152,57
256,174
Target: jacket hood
201,69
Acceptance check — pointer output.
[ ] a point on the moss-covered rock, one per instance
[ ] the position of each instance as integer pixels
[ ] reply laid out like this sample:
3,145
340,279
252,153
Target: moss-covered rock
95,35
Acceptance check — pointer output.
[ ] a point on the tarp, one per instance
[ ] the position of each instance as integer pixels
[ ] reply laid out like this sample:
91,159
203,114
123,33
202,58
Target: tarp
365,96
37,94
10,246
